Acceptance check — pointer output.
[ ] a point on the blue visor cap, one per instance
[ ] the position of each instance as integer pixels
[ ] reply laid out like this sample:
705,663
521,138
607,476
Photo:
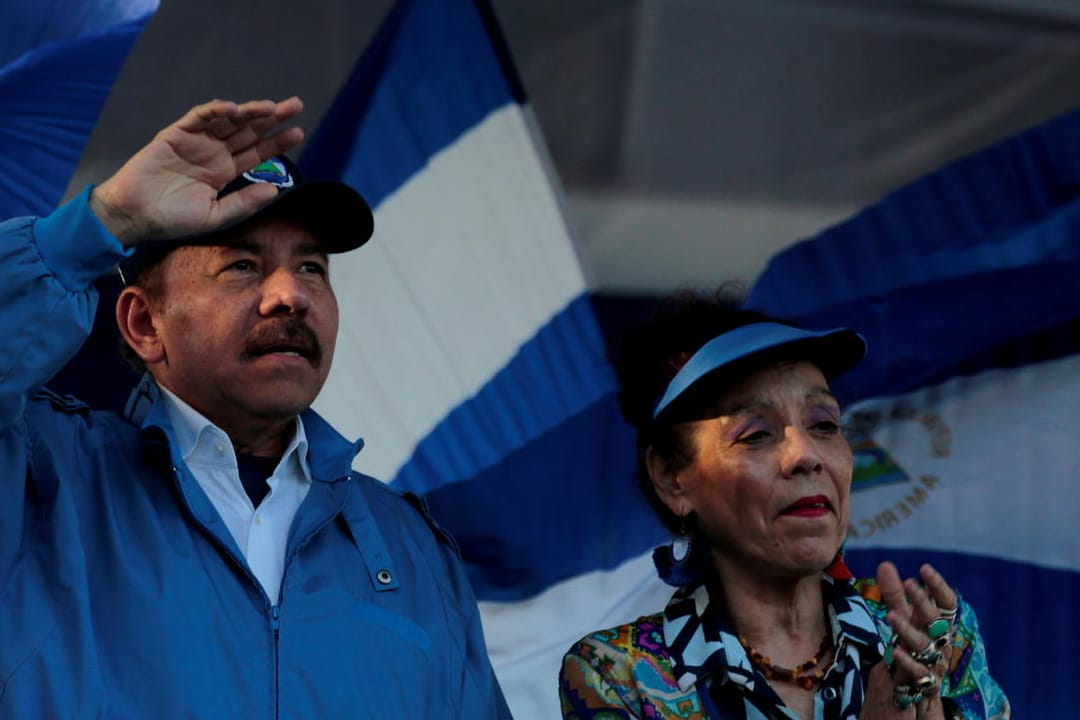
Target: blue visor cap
832,351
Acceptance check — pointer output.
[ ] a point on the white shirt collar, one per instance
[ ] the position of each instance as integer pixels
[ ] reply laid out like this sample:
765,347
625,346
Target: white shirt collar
201,442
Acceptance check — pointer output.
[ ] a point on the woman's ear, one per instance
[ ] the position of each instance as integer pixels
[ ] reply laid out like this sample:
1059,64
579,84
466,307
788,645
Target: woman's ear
135,318
666,483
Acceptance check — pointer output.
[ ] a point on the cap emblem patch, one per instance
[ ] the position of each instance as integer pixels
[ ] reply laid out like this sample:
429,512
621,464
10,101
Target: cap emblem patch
271,171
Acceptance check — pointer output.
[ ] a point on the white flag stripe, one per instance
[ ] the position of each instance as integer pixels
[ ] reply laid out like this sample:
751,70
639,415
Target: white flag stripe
985,457
437,303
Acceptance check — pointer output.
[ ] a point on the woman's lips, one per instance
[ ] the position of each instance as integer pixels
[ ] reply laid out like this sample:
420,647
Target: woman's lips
814,506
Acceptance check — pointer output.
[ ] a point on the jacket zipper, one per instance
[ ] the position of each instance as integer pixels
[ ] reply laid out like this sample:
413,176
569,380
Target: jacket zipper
275,624
275,610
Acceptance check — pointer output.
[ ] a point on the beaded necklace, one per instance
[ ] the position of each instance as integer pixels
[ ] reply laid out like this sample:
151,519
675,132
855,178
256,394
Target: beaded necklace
799,675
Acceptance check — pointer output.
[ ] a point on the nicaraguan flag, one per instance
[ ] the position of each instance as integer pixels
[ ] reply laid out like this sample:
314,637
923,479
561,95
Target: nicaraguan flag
964,417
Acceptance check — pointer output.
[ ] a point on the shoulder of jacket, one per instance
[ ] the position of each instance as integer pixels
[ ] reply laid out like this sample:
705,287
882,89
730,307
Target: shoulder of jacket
624,638
389,493
63,403
421,506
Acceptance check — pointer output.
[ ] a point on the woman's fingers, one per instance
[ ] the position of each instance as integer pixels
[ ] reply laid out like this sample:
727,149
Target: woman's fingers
892,589
942,593
923,607
921,615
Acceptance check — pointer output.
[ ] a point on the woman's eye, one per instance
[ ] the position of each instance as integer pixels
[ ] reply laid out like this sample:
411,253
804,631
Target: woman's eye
827,427
754,437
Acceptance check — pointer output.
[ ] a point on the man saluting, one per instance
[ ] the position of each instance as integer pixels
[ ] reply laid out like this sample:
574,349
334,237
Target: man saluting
211,553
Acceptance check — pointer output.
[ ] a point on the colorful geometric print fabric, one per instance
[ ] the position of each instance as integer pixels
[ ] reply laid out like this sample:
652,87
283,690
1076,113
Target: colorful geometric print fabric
625,672
657,666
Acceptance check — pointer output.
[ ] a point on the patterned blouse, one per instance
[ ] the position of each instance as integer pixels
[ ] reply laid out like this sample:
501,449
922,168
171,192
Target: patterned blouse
685,663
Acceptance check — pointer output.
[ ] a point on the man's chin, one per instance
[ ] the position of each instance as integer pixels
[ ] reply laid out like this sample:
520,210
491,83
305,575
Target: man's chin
278,411
283,398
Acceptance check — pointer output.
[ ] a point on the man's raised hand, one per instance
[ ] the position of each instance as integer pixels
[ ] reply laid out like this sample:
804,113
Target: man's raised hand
169,188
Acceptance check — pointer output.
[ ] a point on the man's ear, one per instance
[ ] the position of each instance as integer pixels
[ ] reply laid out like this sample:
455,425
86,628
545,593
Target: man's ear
135,318
667,483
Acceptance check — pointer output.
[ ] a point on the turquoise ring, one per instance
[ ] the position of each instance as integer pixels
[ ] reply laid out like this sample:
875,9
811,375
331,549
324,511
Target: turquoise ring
938,628
903,698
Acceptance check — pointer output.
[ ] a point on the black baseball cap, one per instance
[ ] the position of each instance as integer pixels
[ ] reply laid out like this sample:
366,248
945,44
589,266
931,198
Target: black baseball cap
337,216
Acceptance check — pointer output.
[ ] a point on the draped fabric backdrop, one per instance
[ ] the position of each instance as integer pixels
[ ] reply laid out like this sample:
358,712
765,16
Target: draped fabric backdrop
471,356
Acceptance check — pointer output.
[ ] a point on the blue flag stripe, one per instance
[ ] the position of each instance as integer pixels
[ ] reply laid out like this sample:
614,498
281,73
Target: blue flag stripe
944,274
553,375
410,97
969,217
564,504
52,97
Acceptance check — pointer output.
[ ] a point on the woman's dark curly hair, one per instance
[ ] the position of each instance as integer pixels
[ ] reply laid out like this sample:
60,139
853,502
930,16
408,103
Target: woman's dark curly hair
650,355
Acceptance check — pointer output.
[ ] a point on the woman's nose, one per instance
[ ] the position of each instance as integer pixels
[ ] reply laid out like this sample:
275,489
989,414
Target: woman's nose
800,452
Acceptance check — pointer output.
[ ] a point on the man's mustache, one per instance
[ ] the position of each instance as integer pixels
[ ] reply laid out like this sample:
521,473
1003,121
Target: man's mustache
284,334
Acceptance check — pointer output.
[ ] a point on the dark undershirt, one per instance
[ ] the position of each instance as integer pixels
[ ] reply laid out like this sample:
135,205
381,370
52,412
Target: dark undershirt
254,472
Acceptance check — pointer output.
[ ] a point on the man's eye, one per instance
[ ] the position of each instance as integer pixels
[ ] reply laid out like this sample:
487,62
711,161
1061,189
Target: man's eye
241,265
313,267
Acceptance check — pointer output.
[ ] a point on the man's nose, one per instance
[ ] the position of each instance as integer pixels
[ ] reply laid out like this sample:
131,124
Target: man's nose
284,292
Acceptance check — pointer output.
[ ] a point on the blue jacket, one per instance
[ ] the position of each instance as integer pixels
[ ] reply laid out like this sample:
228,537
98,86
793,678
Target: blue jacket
122,593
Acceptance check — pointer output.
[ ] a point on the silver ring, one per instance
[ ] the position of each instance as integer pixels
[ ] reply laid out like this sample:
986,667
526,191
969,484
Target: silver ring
930,656
903,697
949,614
927,684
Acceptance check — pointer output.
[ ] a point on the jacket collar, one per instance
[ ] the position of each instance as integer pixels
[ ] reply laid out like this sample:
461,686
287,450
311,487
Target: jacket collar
331,460
334,459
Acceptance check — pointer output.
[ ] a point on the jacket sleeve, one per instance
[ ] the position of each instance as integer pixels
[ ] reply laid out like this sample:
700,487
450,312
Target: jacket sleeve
47,297
974,693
